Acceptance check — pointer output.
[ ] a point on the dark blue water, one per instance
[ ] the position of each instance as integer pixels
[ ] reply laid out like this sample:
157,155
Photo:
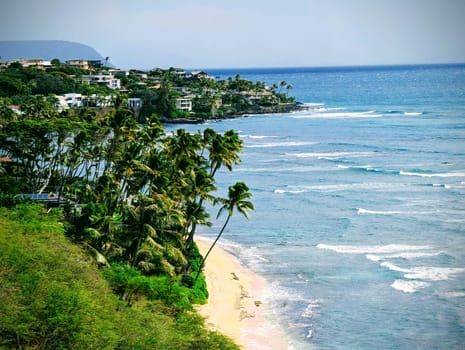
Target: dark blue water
360,206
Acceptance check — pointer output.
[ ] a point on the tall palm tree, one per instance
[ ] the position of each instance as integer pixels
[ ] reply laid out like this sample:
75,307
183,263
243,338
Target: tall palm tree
223,150
238,196
288,87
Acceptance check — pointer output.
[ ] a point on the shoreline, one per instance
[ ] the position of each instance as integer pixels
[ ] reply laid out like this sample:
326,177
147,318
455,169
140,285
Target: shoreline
293,107
236,305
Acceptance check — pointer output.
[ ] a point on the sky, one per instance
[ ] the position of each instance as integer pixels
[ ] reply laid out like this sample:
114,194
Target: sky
247,33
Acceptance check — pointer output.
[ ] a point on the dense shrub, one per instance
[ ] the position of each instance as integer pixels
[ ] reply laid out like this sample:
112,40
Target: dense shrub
53,297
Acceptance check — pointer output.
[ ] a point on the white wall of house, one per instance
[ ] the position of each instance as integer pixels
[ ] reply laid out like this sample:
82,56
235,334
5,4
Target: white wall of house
134,103
184,104
74,100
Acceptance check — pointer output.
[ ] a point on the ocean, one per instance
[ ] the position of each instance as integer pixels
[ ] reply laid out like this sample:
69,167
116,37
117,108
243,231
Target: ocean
359,225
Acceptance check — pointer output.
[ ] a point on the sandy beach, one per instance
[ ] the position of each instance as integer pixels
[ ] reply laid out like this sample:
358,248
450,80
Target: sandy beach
236,306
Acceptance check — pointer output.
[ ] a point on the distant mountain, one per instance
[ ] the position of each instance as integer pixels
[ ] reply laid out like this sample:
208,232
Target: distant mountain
47,50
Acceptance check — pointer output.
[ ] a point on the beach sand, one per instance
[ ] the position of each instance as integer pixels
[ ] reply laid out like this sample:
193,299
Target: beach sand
236,307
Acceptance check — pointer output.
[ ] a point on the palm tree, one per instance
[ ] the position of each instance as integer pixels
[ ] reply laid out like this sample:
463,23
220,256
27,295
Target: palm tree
238,196
288,87
223,150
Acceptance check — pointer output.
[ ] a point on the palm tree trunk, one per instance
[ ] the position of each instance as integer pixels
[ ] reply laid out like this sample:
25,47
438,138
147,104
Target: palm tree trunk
211,247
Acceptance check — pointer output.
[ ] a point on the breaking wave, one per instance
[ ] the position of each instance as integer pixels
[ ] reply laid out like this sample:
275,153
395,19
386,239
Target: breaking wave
409,286
452,174
336,115
389,248
281,144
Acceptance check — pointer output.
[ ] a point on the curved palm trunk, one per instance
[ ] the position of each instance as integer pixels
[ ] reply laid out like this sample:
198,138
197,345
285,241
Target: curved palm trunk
211,247
190,238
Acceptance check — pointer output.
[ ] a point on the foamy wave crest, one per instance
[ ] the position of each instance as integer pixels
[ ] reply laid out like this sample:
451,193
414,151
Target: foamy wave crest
403,255
313,104
458,294
282,144
434,273
330,155
309,310
365,168
428,273
342,115
289,191
455,187
375,186
376,249
259,137
393,267
362,211
454,174
408,286
412,113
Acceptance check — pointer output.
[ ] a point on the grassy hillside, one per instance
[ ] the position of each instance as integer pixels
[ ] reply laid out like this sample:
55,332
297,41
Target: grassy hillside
54,296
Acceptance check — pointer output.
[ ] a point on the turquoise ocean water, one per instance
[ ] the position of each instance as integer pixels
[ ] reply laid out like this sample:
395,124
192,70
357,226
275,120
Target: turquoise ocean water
360,206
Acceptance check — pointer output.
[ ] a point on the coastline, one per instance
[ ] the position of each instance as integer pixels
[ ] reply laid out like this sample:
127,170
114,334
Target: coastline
236,307
284,108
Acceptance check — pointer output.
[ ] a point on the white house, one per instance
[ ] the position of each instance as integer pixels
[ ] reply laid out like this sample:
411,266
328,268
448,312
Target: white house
198,74
74,100
134,103
83,64
103,79
184,104
38,63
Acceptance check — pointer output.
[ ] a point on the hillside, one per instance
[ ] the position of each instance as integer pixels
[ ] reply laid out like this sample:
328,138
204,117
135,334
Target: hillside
53,297
47,50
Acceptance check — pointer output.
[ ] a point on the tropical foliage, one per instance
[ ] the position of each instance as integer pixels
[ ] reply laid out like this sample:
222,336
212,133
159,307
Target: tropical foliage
157,89
53,296
132,196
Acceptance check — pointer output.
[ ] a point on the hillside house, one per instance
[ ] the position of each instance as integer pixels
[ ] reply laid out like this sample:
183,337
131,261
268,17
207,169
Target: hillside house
134,103
103,79
184,104
37,63
84,64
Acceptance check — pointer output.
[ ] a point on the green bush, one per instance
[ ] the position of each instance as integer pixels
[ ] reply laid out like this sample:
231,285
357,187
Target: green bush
129,283
48,287
53,297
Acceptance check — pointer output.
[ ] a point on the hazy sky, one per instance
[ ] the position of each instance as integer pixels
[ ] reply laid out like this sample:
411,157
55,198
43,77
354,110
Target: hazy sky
247,33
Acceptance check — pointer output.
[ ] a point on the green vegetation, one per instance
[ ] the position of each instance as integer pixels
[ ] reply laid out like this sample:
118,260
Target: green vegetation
109,259
53,296
157,89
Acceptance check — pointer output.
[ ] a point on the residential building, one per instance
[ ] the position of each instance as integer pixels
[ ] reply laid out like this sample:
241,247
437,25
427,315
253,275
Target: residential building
83,64
139,73
184,104
16,109
198,74
74,100
103,79
134,103
38,63
179,72
100,101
